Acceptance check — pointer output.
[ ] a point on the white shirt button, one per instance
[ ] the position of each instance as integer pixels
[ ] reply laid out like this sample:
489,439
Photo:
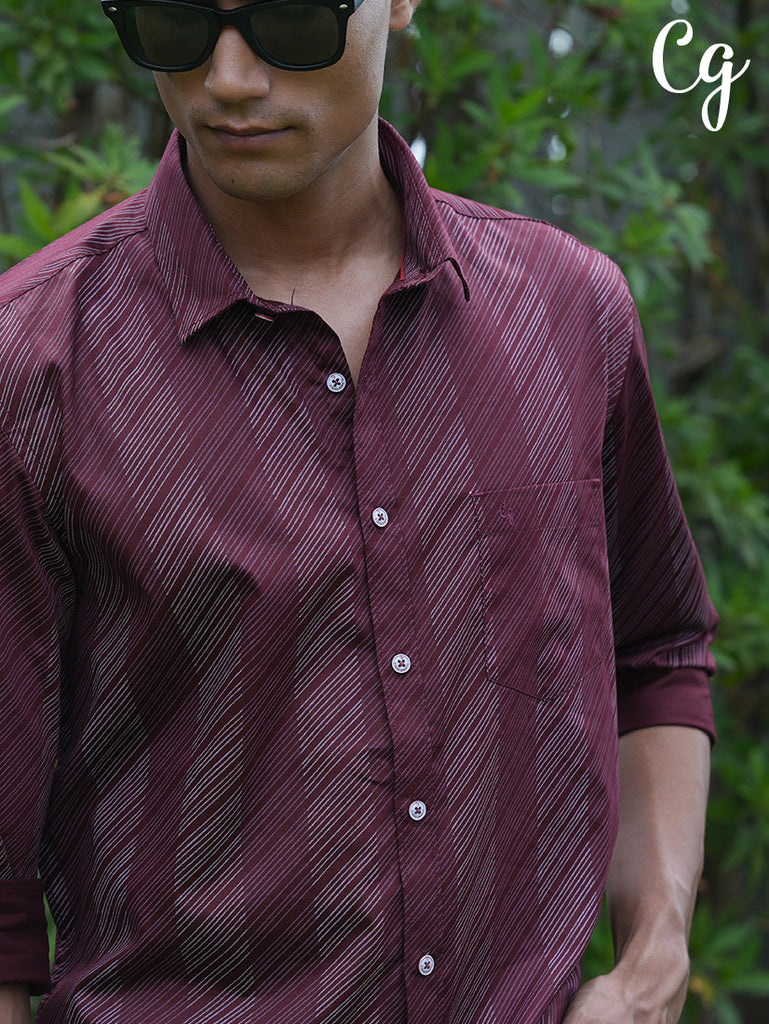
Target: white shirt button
417,810
426,965
401,663
380,517
336,382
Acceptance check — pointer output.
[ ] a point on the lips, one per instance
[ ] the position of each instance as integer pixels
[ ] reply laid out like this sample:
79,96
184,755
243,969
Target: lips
245,137
244,130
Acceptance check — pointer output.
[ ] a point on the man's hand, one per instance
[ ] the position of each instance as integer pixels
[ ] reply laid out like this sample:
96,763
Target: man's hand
652,879
654,994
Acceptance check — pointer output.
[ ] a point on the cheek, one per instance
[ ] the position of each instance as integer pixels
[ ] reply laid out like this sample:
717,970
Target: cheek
166,93
345,96
367,45
174,93
360,80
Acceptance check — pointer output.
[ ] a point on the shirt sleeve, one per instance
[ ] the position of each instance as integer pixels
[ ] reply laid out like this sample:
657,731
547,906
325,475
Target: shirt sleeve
663,618
24,935
34,581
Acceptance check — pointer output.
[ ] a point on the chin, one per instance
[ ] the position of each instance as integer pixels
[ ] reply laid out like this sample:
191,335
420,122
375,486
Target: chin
262,191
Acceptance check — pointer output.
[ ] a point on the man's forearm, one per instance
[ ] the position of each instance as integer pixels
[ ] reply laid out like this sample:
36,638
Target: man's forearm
657,859
14,1004
652,884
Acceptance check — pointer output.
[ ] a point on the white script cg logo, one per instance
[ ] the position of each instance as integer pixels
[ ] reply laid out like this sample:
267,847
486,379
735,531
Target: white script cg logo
724,76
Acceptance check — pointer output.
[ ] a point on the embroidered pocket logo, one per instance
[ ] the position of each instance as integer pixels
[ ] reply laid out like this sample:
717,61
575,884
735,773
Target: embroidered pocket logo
508,512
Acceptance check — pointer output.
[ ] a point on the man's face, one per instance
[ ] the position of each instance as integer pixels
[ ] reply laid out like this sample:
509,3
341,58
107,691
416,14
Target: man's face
258,133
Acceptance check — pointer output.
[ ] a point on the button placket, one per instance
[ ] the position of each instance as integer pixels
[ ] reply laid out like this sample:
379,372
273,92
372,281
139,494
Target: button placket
392,604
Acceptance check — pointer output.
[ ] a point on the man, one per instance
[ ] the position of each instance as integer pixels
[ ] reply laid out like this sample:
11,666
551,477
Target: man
336,524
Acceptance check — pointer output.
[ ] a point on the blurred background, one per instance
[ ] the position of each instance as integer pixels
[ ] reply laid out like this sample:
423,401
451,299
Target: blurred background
550,109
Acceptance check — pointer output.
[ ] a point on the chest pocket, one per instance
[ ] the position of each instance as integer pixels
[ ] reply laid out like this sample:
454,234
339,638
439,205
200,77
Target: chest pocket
544,573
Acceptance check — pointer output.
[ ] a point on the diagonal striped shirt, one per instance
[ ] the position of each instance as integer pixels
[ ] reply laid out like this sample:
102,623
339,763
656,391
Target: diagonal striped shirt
310,694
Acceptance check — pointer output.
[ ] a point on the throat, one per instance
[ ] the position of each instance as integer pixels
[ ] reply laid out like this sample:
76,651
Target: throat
346,297
347,305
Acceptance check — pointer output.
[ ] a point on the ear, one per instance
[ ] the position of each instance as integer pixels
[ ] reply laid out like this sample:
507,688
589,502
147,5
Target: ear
401,12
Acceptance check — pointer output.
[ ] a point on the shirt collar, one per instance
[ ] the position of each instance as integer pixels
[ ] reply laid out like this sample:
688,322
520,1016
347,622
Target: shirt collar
201,279
203,282
427,243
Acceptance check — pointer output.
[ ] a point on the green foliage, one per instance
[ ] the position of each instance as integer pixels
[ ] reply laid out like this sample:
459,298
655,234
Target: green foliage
91,181
728,950
9,102
57,169
49,48
589,140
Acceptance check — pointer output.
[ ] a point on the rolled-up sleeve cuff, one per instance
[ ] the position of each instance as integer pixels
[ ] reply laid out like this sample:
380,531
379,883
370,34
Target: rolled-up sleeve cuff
24,935
680,696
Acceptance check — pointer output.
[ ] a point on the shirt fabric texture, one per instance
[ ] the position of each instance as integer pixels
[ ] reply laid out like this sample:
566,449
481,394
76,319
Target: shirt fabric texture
309,692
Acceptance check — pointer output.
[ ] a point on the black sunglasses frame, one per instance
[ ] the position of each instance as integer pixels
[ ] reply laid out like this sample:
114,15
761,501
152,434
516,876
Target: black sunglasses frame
239,18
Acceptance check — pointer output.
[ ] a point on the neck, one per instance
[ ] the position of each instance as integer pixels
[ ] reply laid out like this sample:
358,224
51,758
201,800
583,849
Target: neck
348,213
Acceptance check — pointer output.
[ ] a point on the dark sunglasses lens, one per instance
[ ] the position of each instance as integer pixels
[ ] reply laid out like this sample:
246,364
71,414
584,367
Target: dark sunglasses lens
296,34
167,35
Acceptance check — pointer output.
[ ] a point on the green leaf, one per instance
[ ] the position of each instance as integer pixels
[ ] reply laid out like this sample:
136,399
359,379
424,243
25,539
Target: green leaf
14,248
755,983
37,214
10,102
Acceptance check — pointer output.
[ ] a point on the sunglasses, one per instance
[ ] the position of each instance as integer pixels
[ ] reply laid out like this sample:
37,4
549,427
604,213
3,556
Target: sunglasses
295,35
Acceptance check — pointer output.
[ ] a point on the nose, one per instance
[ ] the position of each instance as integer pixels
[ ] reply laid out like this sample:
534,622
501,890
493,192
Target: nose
235,72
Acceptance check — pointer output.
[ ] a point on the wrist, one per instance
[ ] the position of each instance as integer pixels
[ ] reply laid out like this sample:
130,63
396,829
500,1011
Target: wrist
657,916
654,966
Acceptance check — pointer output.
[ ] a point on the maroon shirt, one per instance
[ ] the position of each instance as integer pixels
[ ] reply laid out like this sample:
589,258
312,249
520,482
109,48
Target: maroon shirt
308,692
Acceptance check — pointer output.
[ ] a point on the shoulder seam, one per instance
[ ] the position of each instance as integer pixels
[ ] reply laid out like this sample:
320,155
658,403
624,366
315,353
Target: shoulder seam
507,216
495,215
104,251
